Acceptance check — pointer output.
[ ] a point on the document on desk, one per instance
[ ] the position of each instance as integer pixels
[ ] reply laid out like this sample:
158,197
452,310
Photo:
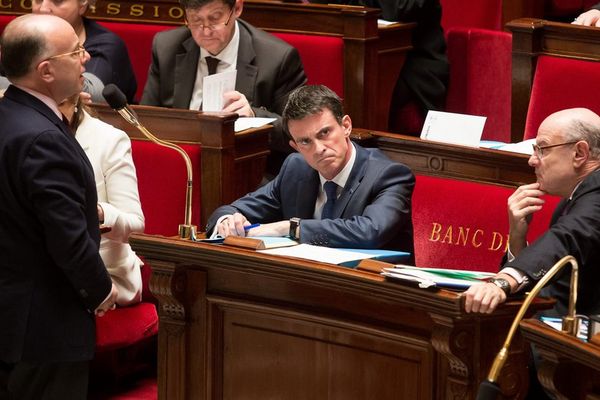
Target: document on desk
213,88
243,123
436,277
346,257
453,128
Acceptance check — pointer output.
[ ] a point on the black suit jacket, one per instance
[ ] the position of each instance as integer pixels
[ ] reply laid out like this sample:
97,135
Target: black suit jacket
51,275
574,230
372,211
268,69
426,69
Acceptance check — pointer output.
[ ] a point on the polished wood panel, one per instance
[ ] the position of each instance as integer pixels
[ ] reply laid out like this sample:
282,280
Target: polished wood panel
570,367
238,324
535,37
449,160
232,164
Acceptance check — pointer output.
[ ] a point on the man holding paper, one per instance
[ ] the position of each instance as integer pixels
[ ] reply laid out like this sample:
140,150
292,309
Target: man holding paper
332,192
215,40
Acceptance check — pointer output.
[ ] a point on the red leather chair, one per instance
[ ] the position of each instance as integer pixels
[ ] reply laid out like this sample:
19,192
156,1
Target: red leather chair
480,77
464,225
561,83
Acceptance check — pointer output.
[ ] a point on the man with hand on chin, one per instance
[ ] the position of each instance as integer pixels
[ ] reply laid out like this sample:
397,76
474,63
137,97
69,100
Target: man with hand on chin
566,159
332,192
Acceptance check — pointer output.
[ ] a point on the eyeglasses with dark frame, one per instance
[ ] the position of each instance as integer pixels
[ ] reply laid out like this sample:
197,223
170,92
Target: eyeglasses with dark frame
211,27
539,150
80,52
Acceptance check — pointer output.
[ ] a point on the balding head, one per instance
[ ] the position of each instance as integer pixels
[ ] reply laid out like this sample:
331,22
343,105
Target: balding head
575,124
27,40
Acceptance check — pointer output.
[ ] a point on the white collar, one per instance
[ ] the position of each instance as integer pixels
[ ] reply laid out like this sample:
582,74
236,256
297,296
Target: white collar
342,177
229,54
44,99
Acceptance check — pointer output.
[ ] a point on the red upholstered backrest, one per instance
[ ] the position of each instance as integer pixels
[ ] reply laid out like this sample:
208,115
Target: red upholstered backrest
322,56
138,39
4,20
561,83
480,77
464,225
162,181
485,14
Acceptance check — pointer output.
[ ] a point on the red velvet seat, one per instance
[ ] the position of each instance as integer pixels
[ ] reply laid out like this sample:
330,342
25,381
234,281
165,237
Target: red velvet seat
138,39
461,224
322,57
480,77
561,83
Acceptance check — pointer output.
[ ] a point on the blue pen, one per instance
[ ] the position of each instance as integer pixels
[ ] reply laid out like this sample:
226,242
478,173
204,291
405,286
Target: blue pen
248,227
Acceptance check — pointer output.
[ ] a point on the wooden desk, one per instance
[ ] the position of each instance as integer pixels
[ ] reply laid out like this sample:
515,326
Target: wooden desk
451,161
237,324
570,367
232,164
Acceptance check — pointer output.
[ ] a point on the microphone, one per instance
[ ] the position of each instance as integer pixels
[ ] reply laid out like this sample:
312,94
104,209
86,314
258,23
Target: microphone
118,102
489,389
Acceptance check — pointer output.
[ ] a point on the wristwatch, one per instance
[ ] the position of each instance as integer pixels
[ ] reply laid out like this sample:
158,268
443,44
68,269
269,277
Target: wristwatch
502,284
294,227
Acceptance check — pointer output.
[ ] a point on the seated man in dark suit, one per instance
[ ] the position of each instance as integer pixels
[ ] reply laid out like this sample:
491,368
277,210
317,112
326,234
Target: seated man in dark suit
333,193
267,68
566,159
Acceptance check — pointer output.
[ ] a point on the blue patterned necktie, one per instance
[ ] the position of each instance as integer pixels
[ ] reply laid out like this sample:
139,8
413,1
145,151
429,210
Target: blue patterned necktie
330,189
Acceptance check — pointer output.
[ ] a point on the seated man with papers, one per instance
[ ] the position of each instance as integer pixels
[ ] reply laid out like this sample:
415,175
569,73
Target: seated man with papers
333,193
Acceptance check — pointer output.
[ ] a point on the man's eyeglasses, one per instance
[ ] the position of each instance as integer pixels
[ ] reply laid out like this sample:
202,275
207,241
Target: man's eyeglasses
211,26
539,150
80,52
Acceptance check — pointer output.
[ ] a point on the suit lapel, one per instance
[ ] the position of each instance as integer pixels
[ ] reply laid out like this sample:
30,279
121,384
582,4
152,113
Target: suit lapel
353,182
246,70
306,195
186,67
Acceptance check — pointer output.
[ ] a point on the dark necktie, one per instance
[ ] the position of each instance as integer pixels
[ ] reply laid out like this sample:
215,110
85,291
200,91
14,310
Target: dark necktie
212,63
330,189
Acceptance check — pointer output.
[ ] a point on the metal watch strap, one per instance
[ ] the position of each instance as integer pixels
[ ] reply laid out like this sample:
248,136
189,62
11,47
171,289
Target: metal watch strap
502,284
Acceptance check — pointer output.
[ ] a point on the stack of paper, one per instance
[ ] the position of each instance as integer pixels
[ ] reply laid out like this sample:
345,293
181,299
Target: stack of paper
436,277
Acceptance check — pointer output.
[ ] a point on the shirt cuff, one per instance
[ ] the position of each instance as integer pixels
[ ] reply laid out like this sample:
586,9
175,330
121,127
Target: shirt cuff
521,278
215,234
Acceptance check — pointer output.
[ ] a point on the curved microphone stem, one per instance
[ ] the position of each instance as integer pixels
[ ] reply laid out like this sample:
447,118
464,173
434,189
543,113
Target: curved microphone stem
570,323
186,230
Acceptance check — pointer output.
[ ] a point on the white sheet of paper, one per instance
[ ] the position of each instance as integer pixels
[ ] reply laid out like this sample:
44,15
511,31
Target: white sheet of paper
318,253
244,123
453,128
213,88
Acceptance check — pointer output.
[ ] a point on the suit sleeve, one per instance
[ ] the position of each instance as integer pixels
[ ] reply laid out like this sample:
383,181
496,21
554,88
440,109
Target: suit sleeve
576,233
56,190
123,211
151,94
381,220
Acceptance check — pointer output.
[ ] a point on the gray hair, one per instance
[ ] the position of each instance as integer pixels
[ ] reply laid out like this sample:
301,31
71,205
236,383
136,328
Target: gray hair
590,133
20,48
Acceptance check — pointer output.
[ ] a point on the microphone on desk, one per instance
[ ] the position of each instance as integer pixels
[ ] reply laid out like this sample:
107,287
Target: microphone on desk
118,102
489,389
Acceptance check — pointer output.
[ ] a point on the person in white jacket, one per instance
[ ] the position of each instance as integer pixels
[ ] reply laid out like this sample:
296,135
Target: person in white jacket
109,152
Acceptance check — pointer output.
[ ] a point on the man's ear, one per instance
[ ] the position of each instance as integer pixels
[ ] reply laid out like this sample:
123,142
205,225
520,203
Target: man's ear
239,7
83,6
44,70
582,153
347,125
293,145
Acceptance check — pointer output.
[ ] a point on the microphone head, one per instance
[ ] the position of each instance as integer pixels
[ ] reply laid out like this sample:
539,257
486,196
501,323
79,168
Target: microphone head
488,391
114,97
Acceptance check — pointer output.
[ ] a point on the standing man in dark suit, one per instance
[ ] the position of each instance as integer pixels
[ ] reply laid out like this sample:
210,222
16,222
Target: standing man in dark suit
52,279
332,192
267,68
566,159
